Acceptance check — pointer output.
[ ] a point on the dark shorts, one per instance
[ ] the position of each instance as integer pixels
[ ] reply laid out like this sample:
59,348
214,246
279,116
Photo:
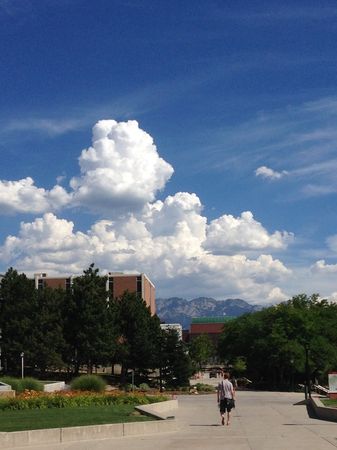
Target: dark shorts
226,405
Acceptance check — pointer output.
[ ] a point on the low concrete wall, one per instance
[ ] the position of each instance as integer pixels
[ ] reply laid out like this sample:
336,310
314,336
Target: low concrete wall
88,433
9,393
160,410
54,386
322,411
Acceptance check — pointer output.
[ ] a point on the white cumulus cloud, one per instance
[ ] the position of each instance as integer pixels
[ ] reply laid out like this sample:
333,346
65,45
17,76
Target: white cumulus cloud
276,295
119,173
24,197
173,256
321,267
228,233
267,172
121,170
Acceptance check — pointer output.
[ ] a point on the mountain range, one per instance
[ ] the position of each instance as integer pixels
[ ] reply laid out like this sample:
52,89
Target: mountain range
180,310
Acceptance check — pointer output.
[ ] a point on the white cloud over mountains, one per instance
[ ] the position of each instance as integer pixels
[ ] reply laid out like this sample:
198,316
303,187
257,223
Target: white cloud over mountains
169,239
175,256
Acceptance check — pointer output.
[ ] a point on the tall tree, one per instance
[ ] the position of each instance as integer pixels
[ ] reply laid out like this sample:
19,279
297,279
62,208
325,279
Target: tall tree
138,332
201,349
176,365
17,300
88,321
47,332
276,341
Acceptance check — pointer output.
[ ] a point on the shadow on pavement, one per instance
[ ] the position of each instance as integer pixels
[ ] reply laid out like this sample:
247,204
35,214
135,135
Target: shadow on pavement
206,425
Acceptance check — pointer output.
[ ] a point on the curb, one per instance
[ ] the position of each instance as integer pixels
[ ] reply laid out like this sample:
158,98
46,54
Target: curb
321,411
160,410
92,432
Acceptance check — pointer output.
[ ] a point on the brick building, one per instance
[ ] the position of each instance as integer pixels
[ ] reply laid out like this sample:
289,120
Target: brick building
117,284
212,326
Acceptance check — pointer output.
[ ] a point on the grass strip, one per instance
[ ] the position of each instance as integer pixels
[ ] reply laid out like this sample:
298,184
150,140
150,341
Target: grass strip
332,403
33,419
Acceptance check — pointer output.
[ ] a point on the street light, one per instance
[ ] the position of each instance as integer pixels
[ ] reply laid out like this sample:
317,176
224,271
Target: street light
292,375
0,350
133,379
22,364
307,374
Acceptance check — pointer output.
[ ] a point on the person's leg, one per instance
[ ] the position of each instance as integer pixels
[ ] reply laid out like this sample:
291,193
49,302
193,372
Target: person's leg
222,412
228,416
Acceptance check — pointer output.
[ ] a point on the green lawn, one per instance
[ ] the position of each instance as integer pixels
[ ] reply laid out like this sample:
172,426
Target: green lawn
329,402
33,419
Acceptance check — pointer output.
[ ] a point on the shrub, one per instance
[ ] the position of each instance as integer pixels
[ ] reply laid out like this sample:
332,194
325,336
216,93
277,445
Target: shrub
144,387
201,387
13,382
128,387
30,384
92,383
19,385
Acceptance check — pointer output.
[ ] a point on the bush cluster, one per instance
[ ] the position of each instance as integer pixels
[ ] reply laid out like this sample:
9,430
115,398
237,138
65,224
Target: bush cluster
71,399
92,383
202,387
20,385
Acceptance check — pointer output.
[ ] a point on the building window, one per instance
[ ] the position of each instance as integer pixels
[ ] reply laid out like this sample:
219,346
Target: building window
41,283
111,287
68,284
139,286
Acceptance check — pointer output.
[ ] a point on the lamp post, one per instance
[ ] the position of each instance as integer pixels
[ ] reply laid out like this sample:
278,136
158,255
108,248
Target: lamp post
133,380
0,350
22,364
307,374
292,375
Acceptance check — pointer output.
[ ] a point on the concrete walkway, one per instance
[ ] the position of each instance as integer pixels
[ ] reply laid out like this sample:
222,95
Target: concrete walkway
261,421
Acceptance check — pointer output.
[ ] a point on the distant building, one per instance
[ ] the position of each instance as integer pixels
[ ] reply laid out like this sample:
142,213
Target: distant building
173,326
212,326
117,284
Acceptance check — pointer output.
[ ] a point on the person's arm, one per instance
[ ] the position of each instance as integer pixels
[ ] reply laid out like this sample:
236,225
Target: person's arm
233,391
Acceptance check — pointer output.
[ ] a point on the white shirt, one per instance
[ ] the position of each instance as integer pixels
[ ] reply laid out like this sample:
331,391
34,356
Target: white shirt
225,389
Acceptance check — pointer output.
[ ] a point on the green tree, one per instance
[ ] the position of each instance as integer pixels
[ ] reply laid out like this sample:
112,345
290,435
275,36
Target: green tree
138,334
176,365
17,300
88,322
47,332
239,366
273,341
201,349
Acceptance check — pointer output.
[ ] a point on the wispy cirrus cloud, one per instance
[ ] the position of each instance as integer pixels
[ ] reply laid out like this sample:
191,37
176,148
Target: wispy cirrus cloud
134,103
297,143
51,127
280,12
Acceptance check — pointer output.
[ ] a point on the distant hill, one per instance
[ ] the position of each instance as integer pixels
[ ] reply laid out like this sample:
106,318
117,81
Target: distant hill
179,310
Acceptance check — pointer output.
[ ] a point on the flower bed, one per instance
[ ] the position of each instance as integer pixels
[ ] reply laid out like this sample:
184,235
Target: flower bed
74,399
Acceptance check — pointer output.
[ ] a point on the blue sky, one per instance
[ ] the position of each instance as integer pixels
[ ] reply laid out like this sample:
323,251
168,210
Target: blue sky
234,197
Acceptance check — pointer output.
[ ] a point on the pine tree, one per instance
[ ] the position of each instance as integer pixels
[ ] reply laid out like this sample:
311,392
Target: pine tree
17,300
138,332
88,327
47,331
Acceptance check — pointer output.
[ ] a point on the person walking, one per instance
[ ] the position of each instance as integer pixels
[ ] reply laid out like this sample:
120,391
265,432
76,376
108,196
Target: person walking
225,398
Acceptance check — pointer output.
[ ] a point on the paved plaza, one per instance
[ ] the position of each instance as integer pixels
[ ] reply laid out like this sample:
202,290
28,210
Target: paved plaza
261,421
